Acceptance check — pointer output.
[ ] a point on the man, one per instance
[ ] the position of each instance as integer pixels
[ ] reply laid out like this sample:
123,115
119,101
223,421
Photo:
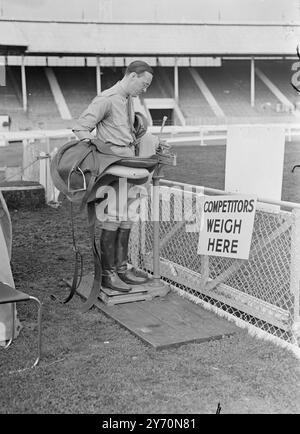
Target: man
112,115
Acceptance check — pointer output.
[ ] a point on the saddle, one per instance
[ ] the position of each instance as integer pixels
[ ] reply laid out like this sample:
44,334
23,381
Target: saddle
77,170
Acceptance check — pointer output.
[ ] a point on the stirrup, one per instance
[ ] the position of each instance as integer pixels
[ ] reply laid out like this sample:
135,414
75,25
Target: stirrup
69,180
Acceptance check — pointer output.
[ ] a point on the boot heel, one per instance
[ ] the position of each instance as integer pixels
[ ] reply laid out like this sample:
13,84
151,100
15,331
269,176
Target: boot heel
110,278
113,282
132,276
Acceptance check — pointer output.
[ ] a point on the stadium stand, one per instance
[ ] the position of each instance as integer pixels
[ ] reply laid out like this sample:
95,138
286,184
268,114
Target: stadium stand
280,73
194,106
11,102
79,85
215,43
229,84
41,105
42,112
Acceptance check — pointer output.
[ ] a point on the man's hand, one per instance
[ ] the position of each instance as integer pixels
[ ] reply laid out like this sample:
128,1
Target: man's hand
163,146
164,154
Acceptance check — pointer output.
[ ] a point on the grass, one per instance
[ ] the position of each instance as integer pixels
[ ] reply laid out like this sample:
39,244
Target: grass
92,365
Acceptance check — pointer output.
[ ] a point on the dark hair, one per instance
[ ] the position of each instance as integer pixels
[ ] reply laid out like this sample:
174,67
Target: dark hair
139,67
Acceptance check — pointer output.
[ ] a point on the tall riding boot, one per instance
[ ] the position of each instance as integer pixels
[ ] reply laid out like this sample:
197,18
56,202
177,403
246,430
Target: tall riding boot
110,278
131,276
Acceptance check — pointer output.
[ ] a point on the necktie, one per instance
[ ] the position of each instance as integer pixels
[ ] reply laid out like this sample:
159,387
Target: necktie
130,117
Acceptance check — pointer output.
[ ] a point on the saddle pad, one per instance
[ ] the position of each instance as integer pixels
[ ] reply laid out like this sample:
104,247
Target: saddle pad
148,163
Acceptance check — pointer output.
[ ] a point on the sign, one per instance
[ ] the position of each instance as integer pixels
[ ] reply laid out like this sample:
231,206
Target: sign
254,161
226,226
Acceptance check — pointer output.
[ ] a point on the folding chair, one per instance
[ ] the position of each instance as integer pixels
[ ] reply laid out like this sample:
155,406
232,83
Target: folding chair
9,294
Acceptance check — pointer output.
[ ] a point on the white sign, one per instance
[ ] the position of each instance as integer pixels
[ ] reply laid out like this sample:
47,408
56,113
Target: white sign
226,226
254,160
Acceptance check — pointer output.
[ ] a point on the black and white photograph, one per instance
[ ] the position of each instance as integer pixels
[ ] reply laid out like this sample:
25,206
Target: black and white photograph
149,210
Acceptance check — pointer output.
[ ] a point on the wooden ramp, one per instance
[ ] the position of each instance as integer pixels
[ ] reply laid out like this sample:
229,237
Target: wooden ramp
166,321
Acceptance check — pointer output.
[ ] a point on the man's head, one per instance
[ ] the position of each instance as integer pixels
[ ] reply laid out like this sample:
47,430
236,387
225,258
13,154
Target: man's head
137,78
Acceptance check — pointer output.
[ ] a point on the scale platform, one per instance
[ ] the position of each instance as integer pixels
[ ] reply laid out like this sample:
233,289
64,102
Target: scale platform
137,293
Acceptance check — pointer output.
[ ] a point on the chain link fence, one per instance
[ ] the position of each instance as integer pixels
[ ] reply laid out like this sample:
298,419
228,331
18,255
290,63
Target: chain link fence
261,293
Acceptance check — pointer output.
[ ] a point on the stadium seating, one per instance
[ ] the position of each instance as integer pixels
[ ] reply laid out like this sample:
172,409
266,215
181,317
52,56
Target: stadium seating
11,101
78,86
229,84
280,73
193,104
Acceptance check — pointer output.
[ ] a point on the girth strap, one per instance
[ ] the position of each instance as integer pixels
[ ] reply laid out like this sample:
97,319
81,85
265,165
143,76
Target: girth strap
97,261
79,260
78,265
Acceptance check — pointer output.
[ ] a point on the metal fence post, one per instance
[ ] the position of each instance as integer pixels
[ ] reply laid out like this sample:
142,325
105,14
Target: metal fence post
156,252
295,271
43,171
30,167
204,269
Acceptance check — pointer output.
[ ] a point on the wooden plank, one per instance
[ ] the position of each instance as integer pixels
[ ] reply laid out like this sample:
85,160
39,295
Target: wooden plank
189,317
159,330
165,322
145,326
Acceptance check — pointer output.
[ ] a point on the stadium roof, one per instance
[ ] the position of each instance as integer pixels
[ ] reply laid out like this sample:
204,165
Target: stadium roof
150,39
12,40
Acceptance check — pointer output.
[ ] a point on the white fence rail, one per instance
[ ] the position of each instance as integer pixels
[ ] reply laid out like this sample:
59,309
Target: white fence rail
173,133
